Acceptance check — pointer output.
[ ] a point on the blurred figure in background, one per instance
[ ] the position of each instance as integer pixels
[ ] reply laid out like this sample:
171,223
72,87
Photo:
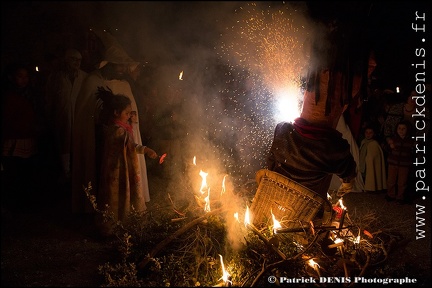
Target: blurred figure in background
393,115
358,184
412,112
360,109
19,137
372,162
400,161
171,131
62,88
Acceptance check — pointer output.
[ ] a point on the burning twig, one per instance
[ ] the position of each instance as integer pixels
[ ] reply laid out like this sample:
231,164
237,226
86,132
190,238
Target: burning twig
340,245
315,266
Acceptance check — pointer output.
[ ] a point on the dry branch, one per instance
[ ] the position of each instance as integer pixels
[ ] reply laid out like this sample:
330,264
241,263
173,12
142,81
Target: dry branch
170,238
266,241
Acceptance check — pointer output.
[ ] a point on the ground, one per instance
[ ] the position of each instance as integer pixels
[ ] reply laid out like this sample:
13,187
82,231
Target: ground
44,245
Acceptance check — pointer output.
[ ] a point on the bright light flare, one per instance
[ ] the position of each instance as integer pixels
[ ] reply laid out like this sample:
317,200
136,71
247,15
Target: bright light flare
194,160
181,75
288,104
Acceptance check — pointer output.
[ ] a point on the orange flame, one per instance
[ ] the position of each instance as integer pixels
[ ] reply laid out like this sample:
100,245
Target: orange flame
236,216
207,202
204,181
223,185
338,240
225,274
247,216
312,263
341,204
276,223
357,240
315,266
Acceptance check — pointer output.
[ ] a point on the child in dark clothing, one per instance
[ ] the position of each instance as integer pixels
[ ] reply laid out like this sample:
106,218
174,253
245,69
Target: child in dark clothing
400,149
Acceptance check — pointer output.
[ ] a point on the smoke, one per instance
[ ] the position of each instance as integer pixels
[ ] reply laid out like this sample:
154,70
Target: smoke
243,65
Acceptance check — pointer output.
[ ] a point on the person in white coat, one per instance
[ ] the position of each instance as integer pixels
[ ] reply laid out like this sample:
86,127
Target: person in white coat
372,163
62,88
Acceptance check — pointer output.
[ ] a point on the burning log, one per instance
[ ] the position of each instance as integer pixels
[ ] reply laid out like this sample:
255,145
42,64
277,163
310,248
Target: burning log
168,240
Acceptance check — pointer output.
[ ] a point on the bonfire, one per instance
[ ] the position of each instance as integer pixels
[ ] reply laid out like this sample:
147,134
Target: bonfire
237,237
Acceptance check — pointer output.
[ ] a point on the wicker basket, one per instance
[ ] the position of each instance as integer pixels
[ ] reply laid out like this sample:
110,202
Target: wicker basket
291,203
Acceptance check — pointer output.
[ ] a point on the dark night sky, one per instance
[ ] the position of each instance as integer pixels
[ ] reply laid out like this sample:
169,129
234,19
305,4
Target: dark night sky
30,28
395,41
388,26
229,110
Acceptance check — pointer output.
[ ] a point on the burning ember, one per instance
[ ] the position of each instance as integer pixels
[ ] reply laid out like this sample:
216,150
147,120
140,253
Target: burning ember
162,158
